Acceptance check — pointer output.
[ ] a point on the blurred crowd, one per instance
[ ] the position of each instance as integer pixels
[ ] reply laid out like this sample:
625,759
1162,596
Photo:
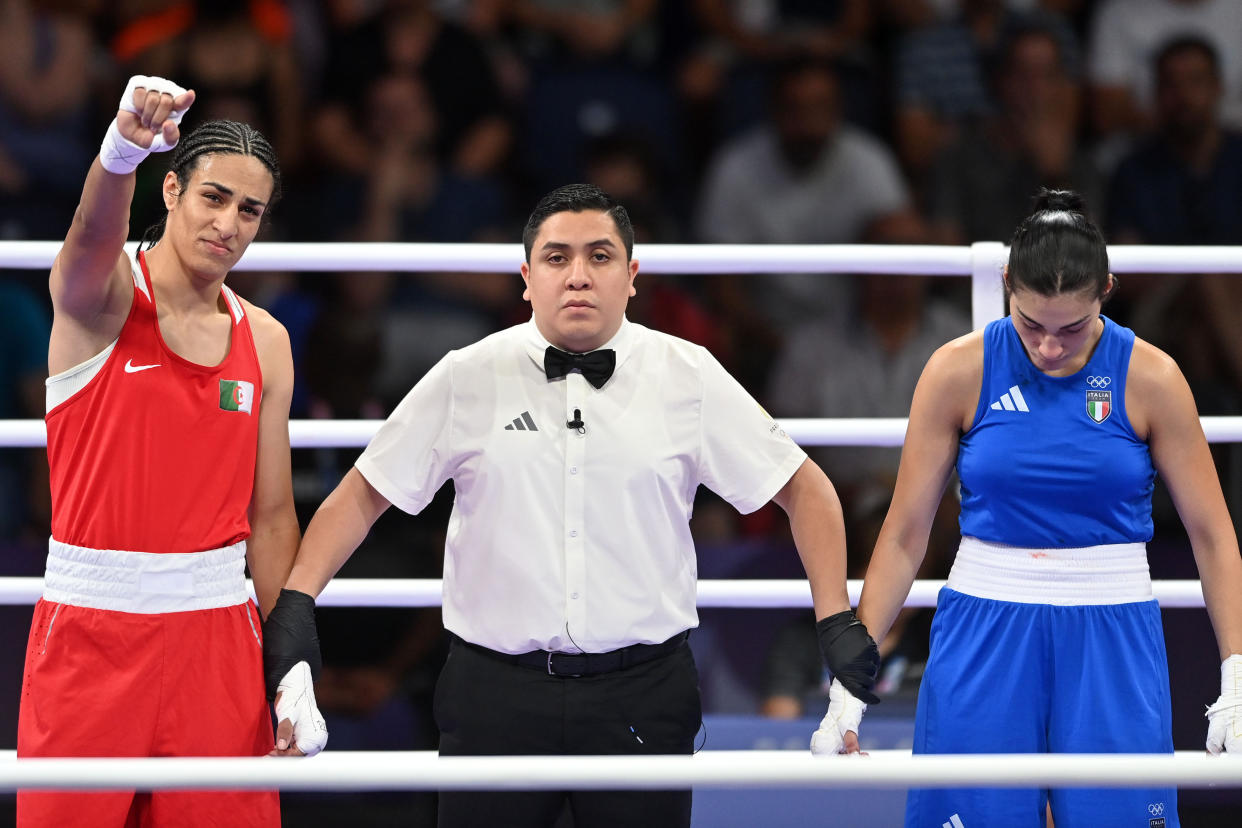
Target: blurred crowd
719,121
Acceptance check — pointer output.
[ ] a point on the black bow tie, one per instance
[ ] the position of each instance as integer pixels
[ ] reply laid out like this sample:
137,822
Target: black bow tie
597,366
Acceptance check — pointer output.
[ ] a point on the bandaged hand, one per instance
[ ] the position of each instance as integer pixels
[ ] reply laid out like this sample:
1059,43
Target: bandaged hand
299,723
844,715
1225,717
148,120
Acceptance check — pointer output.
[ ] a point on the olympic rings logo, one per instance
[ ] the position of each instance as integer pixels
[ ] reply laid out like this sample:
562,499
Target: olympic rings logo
1099,382
1156,808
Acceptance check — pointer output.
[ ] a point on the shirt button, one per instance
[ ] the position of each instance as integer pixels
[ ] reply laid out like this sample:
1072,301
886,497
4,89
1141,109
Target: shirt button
573,533
573,469
573,595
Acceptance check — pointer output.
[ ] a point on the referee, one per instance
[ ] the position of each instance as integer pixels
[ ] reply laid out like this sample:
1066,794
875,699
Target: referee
575,442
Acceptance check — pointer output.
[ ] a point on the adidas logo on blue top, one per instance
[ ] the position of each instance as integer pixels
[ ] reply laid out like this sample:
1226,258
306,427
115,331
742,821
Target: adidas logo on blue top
1011,401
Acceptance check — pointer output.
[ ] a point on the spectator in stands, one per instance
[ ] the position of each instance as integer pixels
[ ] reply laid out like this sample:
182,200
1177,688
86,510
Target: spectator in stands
409,39
805,176
1125,37
942,77
980,187
877,353
1184,186
721,79
46,139
237,54
405,191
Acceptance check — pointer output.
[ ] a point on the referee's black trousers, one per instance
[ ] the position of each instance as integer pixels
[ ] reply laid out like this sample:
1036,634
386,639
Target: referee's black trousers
486,707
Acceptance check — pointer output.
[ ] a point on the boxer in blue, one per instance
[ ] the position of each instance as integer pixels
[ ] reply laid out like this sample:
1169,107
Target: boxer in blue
1046,637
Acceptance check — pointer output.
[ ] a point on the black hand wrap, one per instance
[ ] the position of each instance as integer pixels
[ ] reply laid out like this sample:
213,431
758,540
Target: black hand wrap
850,654
289,636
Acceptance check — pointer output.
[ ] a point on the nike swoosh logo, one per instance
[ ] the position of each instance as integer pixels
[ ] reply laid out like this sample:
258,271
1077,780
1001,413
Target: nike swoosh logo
131,368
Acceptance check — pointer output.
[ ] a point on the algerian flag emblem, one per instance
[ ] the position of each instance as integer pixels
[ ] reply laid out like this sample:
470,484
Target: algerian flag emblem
236,395
1099,405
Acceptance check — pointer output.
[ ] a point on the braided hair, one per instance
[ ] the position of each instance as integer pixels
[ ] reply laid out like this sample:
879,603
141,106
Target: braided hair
217,138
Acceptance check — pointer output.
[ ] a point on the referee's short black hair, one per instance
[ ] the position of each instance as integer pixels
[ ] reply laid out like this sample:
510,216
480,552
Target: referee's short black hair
577,198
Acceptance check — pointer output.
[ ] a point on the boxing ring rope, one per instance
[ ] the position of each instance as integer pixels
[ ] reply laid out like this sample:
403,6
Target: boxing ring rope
840,431
369,771
981,261
730,594
424,770
914,259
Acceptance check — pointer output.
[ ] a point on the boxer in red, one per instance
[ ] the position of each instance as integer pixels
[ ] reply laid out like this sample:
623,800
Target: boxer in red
168,444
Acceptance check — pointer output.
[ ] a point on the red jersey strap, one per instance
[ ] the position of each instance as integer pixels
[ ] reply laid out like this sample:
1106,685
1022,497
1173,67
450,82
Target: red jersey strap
142,278
234,303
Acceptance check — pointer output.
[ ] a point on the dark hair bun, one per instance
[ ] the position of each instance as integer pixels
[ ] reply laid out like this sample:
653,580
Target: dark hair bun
1047,199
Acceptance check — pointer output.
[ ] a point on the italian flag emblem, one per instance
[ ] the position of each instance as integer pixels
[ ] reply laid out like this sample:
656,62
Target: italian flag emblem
1099,405
236,395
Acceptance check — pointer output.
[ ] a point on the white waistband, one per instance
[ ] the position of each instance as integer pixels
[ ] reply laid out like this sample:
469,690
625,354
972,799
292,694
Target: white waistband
1109,574
145,582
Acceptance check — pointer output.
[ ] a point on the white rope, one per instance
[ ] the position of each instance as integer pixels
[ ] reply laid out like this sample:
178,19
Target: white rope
505,258
665,258
738,594
424,770
859,431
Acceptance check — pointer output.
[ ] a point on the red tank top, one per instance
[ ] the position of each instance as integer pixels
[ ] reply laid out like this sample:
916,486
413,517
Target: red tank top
157,453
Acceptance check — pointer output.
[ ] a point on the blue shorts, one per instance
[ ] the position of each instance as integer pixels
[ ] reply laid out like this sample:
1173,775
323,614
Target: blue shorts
1006,677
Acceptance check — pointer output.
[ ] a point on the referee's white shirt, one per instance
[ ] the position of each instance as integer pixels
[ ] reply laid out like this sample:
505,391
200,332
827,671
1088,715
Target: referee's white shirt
570,541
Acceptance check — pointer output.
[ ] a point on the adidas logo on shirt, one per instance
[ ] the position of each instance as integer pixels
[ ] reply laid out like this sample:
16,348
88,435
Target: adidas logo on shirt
523,423
1011,401
955,821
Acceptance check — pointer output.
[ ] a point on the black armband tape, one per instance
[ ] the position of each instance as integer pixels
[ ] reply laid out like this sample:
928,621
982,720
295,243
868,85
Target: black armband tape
850,653
290,636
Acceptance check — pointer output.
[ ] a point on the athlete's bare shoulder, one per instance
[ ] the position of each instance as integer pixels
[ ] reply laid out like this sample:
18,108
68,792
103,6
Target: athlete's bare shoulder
87,314
1151,369
268,331
1154,386
958,364
953,379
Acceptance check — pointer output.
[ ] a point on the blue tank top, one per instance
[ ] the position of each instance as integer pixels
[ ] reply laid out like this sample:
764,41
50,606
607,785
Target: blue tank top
1053,461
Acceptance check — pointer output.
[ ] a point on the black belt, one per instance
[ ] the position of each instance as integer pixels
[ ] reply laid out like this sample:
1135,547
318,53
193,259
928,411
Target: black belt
576,665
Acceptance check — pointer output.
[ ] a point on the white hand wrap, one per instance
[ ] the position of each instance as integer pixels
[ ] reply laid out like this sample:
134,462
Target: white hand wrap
1225,717
845,713
296,703
117,153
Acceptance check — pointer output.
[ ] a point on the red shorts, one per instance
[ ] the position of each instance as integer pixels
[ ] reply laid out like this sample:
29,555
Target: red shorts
107,683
